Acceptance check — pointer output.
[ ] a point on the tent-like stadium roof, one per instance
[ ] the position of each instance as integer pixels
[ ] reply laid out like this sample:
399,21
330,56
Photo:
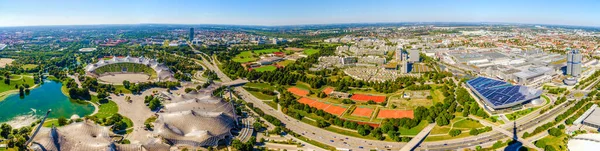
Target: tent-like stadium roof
79,136
163,72
584,142
196,119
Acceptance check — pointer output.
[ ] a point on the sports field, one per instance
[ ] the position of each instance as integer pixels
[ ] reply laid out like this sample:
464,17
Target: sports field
244,57
364,112
328,90
252,55
265,68
297,91
386,113
310,51
366,98
117,79
329,108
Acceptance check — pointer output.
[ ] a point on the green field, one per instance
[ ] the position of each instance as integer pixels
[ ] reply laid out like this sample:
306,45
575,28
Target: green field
265,51
260,85
467,124
557,142
122,89
413,131
446,137
261,96
249,56
285,62
50,122
265,68
130,67
303,85
106,109
29,66
310,51
16,80
244,57
520,113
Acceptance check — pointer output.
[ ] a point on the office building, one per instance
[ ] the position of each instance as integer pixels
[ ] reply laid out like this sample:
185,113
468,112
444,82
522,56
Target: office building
191,36
574,62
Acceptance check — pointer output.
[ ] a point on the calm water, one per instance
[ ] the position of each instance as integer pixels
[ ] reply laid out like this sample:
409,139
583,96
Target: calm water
40,99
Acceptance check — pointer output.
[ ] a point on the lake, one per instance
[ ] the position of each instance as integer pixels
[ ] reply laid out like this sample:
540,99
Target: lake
21,111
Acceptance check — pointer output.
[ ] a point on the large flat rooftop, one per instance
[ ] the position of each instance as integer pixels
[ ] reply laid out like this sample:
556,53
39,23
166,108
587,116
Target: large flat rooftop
498,94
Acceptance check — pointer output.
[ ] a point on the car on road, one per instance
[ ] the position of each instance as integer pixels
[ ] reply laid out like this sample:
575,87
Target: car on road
331,141
360,147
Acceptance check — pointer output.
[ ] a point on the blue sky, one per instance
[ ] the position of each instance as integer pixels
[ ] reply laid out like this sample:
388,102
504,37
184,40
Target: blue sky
293,12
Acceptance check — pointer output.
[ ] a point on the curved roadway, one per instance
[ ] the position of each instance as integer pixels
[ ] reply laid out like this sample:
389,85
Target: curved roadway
343,141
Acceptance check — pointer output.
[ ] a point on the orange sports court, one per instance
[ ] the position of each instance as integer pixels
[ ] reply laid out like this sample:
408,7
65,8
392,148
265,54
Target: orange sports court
297,91
395,113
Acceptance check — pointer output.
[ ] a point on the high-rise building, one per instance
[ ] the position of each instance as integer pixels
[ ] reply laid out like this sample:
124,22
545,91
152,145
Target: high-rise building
191,36
573,62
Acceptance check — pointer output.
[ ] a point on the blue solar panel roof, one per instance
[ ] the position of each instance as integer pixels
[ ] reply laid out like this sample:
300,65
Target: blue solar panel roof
498,93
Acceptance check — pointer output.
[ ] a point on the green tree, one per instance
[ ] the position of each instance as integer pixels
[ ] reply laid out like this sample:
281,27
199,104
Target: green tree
454,132
62,121
6,130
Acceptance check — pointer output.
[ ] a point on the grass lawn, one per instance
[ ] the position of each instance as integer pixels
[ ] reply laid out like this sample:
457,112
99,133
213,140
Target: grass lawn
265,51
467,124
439,130
303,85
259,85
446,137
122,89
106,109
413,131
285,62
49,122
18,80
29,66
245,56
520,113
437,96
271,104
310,51
261,96
557,142
248,56
265,68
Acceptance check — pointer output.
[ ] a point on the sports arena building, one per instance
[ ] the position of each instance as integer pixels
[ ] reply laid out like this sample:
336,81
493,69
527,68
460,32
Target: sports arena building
163,73
86,136
196,119
499,95
584,142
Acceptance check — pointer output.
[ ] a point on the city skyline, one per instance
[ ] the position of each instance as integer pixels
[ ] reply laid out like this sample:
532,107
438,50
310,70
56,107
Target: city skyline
275,13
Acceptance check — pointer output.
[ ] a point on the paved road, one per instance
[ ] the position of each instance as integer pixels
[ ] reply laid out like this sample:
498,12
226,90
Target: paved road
327,137
309,131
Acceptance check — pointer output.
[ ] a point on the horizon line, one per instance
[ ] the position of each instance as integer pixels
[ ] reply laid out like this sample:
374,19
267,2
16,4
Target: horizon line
315,24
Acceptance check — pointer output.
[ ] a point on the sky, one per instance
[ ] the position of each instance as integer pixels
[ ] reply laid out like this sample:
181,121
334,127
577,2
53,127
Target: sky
295,12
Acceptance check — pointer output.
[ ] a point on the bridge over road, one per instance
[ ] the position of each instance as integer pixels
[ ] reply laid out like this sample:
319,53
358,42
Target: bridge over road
415,141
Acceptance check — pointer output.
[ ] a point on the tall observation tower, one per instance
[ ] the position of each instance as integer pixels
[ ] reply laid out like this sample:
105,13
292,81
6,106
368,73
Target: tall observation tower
191,36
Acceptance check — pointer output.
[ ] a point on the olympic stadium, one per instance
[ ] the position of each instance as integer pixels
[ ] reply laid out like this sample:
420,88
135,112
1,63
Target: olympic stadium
133,69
